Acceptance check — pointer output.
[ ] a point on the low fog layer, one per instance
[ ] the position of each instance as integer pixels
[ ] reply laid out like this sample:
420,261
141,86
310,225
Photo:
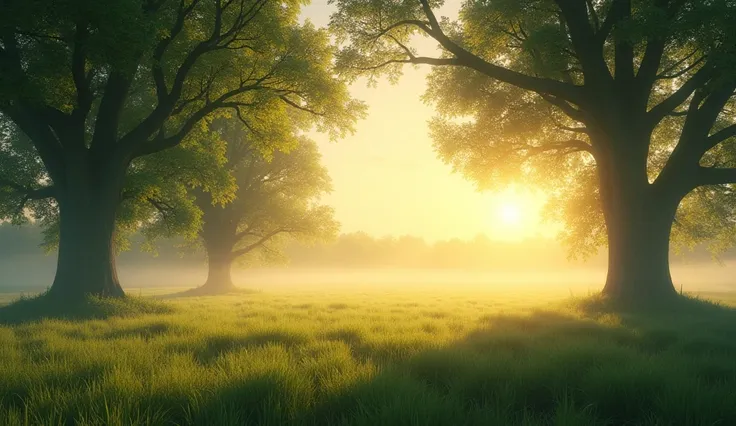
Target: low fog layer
359,260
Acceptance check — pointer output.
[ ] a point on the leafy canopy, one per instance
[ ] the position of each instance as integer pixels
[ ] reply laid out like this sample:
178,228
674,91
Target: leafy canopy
139,83
529,91
278,195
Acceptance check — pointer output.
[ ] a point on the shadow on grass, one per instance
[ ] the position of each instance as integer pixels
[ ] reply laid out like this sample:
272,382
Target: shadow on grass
682,306
588,362
29,309
201,291
593,364
216,347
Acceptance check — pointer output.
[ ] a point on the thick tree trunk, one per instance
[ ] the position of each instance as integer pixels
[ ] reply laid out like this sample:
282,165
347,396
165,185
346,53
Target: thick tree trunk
638,252
219,278
219,236
88,203
639,218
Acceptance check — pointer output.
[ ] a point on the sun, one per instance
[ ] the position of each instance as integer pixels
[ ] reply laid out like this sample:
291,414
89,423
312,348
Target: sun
510,213
514,214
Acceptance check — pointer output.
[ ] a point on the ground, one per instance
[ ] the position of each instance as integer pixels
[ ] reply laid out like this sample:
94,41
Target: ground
368,356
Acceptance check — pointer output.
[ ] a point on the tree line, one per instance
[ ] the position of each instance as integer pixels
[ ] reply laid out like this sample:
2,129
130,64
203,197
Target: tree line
146,115
355,250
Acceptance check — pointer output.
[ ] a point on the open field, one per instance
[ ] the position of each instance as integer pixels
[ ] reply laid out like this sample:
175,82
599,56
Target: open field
368,356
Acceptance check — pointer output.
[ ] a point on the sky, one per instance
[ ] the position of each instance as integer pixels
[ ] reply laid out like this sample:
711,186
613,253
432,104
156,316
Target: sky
388,180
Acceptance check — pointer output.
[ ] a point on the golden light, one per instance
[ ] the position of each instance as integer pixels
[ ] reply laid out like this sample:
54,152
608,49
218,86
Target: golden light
510,213
513,214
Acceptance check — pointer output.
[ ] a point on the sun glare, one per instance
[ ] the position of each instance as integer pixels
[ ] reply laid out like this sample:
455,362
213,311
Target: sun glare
514,215
510,213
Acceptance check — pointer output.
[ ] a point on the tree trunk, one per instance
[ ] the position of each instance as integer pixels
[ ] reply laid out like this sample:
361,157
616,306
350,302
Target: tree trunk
88,204
219,236
638,252
639,218
218,272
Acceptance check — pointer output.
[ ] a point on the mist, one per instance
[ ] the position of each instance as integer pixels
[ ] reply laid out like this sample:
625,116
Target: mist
691,272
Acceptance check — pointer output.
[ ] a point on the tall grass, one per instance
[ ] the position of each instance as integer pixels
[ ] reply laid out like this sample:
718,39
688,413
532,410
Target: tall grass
367,358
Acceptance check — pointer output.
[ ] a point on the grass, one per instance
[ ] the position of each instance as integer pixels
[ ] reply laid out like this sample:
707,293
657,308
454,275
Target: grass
367,357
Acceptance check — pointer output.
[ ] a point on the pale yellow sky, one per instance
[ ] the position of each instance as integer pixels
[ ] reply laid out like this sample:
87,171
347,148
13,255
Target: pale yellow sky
388,180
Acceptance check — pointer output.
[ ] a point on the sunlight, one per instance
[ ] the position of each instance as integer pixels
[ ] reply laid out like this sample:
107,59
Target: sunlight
514,215
510,213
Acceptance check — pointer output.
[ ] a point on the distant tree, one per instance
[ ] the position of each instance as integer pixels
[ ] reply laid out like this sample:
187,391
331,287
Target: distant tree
620,107
277,200
106,96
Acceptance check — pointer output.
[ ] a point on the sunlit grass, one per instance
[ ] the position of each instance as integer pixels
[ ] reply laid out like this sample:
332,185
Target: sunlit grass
370,357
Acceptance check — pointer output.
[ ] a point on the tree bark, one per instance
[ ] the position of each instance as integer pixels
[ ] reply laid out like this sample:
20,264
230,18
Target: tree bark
638,252
219,278
88,202
219,236
638,217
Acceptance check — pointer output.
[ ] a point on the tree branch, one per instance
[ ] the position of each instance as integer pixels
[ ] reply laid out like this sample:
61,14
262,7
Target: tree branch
647,73
80,76
162,143
562,147
678,74
664,108
593,14
108,117
34,125
720,136
41,193
164,209
650,63
568,109
463,57
422,25
417,60
584,40
615,14
624,50
158,52
716,176
261,241
300,107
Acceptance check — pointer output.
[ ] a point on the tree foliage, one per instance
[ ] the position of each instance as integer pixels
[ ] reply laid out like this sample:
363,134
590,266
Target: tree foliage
543,91
134,85
277,197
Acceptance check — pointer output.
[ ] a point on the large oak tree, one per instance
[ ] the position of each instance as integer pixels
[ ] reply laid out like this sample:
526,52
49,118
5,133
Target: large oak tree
277,200
105,92
625,105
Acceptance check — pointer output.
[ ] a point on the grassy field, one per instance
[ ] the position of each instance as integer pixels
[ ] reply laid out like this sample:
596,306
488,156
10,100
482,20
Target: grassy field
435,356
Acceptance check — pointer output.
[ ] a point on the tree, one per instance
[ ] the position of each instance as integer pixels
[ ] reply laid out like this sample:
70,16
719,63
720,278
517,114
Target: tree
108,92
277,199
623,107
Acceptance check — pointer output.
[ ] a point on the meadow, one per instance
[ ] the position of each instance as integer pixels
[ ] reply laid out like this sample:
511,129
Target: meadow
367,356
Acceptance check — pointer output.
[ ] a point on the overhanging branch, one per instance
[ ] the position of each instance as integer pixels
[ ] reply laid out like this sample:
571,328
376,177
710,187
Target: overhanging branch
416,60
720,136
716,176
561,147
27,194
162,143
463,57
260,242
300,107
666,107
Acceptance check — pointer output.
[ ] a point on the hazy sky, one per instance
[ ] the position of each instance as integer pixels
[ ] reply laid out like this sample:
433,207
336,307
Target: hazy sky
388,180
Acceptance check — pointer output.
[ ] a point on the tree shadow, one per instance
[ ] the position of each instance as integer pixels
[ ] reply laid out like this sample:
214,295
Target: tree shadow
144,332
201,291
688,314
216,347
590,365
583,363
37,308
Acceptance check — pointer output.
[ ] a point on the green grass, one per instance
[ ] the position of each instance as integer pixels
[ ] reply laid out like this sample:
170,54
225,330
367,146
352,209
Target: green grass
367,357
